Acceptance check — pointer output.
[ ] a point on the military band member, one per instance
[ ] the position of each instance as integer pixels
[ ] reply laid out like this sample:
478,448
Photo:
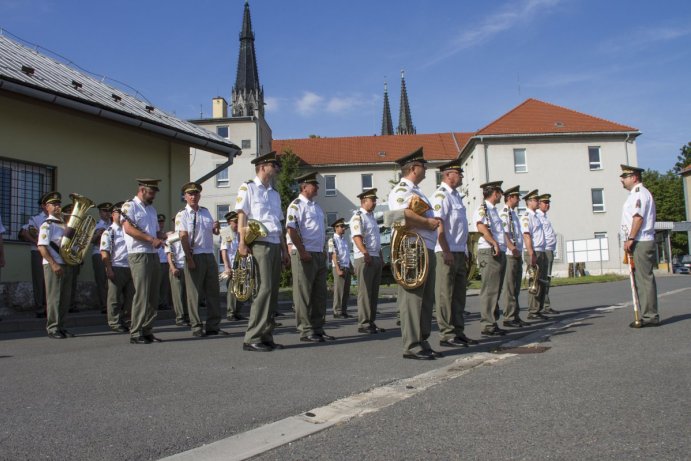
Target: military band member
229,248
76,269
341,269
368,261
534,240
164,300
57,274
638,228
29,233
491,257
550,245
197,229
176,277
450,253
96,261
416,305
305,224
140,223
258,200
117,269
514,258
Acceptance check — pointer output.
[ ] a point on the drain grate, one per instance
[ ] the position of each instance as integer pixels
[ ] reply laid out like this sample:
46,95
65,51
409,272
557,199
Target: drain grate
521,350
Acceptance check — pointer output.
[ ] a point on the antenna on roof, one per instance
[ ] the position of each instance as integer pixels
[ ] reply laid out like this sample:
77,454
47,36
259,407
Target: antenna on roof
201,111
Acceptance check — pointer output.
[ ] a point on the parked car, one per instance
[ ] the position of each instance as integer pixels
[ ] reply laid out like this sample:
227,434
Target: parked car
679,269
685,261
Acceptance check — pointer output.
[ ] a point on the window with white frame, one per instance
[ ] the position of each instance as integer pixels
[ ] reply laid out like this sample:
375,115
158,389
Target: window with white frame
21,186
330,185
520,161
598,198
520,208
221,211
594,158
438,178
366,181
222,177
331,216
246,144
600,235
222,131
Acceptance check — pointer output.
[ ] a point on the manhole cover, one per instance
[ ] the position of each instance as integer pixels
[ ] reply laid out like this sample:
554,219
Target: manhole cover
521,350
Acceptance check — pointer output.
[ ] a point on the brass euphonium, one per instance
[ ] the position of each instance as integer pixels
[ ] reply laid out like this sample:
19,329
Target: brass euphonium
471,260
533,273
245,282
78,232
409,264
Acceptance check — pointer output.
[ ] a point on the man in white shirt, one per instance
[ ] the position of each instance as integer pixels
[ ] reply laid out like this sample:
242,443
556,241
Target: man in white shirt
341,269
550,245
514,258
117,270
96,261
197,229
229,249
29,233
368,261
534,241
176,276
140,223
638,229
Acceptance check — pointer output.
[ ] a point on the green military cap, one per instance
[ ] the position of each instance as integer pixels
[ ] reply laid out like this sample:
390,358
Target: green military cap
191,188
627,170
161,217
369,193
512,191
492,185
454,164
117,207
105,206
533,194
339,222
416,156
271,157
51,197
545,198
148,182
231,216
309,178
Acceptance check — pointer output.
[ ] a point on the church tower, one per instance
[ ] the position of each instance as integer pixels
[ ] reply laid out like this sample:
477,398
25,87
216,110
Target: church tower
405,121
386,123
247,96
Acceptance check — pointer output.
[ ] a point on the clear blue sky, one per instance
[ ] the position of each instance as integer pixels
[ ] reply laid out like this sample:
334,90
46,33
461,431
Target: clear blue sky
323,63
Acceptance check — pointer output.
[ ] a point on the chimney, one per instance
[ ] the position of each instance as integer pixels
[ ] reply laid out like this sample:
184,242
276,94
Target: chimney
220,107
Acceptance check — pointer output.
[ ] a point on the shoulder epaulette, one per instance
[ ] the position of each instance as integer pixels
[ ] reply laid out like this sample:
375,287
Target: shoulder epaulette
638,189
249,181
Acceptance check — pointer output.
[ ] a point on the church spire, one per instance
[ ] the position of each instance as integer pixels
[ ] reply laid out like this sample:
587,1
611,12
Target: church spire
247,94
405,121
386,123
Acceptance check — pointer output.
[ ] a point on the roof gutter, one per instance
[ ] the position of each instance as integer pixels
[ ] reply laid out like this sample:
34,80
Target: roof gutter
228,150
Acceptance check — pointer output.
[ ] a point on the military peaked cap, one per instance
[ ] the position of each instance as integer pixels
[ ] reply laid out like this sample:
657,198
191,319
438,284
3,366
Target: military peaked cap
231,216
150,183
627,170
416,156
271,157
51,197
309,178
533,194
512,191
369,193
191,187
454,164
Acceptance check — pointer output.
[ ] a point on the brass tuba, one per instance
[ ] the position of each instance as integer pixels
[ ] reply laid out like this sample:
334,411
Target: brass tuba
471,260
78,232
245,282
409,264
533,273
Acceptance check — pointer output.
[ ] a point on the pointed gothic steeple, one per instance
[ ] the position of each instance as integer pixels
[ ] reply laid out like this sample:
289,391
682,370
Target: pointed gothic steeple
386,123
405,121
247,95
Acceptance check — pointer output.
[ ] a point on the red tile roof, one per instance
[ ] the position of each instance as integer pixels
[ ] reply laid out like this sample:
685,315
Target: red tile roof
373,149
537,117
686,170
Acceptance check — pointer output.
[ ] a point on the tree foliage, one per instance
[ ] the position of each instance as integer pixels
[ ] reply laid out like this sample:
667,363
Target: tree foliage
285,185
668,192
683,159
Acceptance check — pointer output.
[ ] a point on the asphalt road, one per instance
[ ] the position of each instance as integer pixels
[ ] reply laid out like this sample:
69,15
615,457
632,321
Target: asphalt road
600,390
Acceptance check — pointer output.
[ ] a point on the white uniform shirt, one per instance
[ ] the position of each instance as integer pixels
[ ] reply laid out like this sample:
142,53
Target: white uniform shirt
491,219
399,199
531,224
52,230
199,226
230,244
113,241
146,218
639,202
178,253
264,205
550,235
447,204
307,217
101,224
35,222
365,225
509,217
340,247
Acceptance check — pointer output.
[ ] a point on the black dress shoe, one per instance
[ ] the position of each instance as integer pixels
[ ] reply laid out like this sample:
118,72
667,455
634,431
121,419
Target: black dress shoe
140,340
41,315
327,337
216,333
67,334
435,354
56,335
198,334
537,316
338,316
367,330
273,345
421,355
256,347
119,329
346,315
152,338
312,339
463,338
645,324
453,342
378,330
238,317
493,332
521,322
512,323
549,310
